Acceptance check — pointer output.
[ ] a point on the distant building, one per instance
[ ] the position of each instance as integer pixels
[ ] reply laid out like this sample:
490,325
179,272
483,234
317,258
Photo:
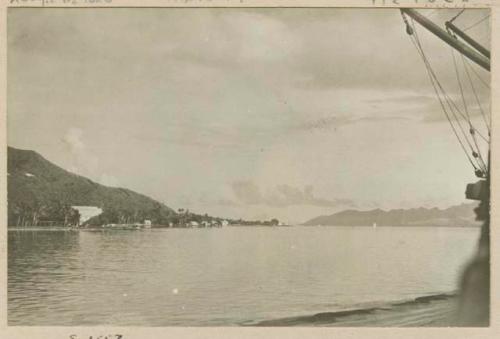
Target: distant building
147,223
193,224
87,212
224,222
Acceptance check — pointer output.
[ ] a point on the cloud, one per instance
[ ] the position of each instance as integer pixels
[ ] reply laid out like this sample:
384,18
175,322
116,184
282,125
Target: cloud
73,138
476,108
334,122
326,123
234,91
83,161
248,193
286,195
404,98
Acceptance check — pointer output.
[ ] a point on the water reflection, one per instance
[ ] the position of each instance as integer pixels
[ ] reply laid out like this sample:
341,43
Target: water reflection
223,276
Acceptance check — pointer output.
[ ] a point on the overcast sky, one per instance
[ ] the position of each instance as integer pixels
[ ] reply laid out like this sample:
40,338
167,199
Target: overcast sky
252,113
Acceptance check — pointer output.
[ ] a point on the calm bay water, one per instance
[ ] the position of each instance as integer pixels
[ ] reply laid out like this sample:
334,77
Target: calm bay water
224,277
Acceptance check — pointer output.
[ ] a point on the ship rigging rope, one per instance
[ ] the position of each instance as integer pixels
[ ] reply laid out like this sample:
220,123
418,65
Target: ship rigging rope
485,84
451,104
476,23
442,97
488,125
443,107
456,16
449,101
464,101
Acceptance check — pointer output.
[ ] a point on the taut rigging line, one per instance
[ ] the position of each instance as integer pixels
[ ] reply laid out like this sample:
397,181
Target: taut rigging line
480,167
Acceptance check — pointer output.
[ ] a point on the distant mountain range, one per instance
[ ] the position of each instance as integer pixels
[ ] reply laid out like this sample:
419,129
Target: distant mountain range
462,215
40,192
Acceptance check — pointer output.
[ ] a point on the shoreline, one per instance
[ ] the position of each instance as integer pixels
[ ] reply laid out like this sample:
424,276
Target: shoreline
436,310
64,228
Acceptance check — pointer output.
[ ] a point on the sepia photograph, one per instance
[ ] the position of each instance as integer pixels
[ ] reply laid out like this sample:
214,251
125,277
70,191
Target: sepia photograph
248,167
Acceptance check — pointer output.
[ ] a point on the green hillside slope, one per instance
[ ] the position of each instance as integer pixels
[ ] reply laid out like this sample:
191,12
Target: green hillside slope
40,192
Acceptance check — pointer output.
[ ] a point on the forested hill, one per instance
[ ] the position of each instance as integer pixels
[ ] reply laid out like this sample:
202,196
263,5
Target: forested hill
461,215
39,191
